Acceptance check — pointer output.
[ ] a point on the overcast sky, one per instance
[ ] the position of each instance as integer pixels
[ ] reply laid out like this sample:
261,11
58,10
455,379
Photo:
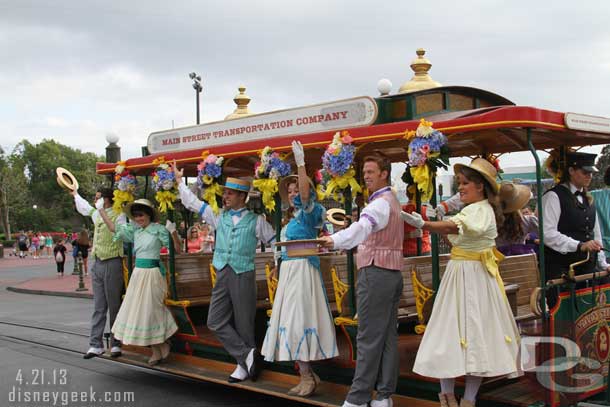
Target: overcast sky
77,70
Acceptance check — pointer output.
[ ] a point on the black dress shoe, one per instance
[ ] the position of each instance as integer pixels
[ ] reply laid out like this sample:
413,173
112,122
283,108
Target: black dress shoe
232,379
256,367
116,354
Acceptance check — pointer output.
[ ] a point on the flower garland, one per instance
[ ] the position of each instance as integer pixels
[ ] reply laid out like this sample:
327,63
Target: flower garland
495,161
337,162
267,172
322,178
428,151
125,186
164,182
208,177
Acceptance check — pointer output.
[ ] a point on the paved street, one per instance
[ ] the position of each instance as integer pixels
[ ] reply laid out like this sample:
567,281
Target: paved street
59,372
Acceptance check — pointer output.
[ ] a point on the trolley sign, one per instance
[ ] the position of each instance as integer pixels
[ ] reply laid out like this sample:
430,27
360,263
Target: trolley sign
583,122
355,112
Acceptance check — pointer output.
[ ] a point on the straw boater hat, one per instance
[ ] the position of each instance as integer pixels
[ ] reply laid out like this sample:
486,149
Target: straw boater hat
514,196
66,180
237,184
291,179
129,208
336,216
483,167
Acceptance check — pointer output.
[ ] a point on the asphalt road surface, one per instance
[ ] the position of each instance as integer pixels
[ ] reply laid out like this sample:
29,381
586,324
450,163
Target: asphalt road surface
43,365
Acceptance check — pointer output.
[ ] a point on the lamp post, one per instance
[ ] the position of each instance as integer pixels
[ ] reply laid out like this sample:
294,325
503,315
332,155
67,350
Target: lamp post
113,152
198,88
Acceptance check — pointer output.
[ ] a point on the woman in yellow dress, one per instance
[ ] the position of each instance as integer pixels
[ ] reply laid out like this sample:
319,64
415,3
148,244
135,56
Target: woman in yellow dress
471,331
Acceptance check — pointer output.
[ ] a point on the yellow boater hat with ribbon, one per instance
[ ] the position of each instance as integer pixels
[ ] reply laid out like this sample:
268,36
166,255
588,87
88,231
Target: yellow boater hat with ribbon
66,180
237,184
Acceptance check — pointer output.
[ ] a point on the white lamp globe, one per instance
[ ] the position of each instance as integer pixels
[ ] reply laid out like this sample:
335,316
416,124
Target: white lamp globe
34,207
112,138
384,86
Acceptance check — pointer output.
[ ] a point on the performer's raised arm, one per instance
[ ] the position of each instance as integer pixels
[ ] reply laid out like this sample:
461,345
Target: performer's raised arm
190,200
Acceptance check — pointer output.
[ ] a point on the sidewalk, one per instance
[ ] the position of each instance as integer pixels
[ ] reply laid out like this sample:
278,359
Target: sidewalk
42,279
61,286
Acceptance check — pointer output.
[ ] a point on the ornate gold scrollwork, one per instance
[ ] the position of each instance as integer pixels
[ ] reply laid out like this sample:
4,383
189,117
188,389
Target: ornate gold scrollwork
422,294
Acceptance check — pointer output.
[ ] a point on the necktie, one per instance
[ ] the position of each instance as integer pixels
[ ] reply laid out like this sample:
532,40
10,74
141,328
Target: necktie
236,212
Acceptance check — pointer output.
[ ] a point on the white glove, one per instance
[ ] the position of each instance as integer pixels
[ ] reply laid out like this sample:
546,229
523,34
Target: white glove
299,155
430,212
440,211
99,204
170,226
414,219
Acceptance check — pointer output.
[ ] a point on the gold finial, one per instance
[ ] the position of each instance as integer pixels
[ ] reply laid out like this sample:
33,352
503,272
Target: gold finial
421,80
241,100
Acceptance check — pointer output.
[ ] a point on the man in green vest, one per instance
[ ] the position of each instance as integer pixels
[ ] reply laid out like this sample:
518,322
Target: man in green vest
106,273
233,306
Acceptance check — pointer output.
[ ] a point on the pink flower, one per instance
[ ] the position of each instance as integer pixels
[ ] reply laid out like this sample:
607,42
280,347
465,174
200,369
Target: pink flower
210,159
347,139
425,148
331,149
318,177
201,166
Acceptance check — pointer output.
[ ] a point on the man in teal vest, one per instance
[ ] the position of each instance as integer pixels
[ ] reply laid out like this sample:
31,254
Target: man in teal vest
106,273
233,305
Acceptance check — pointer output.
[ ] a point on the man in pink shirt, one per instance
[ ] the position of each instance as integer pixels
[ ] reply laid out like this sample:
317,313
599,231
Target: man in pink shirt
379,236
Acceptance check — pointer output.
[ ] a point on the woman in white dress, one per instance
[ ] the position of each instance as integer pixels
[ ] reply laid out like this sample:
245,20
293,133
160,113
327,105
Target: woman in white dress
301,326
471,331
143,318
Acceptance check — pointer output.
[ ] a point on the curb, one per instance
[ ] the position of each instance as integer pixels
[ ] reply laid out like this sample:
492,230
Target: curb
54,293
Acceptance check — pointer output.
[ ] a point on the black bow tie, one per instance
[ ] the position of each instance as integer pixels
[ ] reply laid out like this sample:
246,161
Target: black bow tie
581,193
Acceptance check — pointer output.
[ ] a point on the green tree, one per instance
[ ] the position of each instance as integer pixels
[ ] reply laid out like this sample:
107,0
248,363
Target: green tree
603,161
13,193
54,206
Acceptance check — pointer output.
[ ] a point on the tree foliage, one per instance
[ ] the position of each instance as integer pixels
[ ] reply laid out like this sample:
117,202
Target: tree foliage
35,200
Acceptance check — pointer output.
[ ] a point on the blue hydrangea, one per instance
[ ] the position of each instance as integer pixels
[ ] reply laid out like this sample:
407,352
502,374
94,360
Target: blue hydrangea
213,170
339,164
281,166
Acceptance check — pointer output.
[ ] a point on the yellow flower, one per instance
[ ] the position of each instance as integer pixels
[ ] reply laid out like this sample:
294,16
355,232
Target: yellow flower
409,134
424,129
425,123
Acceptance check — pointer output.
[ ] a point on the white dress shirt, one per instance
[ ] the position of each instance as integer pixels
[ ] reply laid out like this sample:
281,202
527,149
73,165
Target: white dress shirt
558,241
83,207
264,231
373,218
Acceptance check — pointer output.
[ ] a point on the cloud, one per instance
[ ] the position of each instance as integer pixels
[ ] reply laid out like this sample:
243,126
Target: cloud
75,71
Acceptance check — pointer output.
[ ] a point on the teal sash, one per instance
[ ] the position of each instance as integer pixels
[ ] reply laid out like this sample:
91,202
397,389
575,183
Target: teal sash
150,264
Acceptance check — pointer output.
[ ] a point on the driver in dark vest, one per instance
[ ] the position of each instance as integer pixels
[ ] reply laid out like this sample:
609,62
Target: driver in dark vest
571,228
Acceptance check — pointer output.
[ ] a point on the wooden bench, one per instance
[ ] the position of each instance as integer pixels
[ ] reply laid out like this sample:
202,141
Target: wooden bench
520,275
194,279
